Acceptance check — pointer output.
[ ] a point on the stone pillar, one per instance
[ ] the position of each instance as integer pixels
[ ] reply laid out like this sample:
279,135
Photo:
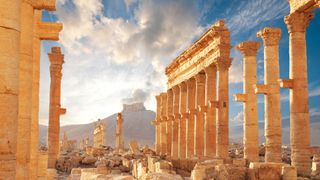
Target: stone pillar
210,115
297,24
223,108
249,98
119,139
163,124
191,91
157,124
175,123
199,118
56,60
169,120
42,31
9,84
271,89
183,120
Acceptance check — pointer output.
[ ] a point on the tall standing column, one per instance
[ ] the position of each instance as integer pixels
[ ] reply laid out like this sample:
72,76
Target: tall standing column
271,89
249,98
119,139
191,91
163,124
157,124
297,24
223,108
210,116
199,118
42,31
169,120
175,123
183,121
9,84
55,110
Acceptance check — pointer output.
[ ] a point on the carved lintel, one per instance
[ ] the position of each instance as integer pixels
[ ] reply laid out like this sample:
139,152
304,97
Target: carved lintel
49,5
63,111
286,83
261,89
49,31
240,97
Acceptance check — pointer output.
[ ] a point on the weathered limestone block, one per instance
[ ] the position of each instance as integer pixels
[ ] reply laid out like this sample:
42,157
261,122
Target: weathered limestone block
52,173
239,162
271,171
42,165
151,163
205,169
289,173
161,176
230,172
89,160
163,166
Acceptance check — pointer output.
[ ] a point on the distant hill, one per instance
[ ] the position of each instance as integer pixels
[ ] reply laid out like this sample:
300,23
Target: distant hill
137,125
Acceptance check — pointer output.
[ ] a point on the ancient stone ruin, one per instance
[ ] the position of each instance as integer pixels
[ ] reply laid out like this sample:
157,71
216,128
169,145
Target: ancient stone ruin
99,134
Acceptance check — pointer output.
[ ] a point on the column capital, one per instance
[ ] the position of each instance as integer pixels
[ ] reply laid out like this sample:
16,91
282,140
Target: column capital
298,21
183,86
200,77
49,5
211,70
63,111
49,31
176,89
56,57
248,48
286,83
270,36
223,64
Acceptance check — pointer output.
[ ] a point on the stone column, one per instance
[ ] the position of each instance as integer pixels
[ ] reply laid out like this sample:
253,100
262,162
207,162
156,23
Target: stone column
42,31
56,60
169,120
223,108
210,115
119,139
157,124
249,98
9,84
163,124
199,118
271,89
183,120
297,24
191,91
175,123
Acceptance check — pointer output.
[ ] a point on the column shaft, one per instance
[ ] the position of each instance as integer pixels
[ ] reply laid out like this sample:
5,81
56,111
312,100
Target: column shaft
190,121
210,116
169,120
199,118
163,123
9,85
157,125
183,121
175,123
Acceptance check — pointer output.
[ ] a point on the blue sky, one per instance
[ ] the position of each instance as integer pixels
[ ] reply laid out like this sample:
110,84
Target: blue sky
116,50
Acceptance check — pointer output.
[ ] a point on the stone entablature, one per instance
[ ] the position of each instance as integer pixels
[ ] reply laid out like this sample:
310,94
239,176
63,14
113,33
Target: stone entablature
212,47
303,5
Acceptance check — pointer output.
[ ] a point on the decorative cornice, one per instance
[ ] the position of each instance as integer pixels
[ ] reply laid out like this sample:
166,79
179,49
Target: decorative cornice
270,36
248,48
49,5
303,5
298,21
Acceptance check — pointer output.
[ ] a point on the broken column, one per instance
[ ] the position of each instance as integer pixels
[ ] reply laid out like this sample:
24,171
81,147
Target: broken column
210,115
249,98
99,134
157,125
199,118
175,122
119,138
169,120
222,146
55,110
271,89
42,31
297,23
9,85
163,124
182,121
191,91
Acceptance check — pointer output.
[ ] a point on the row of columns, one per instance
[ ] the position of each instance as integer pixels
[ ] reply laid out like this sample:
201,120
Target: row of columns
192,117
21,31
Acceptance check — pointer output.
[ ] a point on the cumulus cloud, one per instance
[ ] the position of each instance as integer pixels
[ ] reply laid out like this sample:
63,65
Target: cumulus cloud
138,95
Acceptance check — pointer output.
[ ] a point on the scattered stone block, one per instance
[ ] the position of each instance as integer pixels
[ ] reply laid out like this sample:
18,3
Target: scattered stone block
134,147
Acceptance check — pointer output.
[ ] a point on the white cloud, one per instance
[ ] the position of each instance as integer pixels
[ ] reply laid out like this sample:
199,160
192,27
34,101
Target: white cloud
239,118
315,91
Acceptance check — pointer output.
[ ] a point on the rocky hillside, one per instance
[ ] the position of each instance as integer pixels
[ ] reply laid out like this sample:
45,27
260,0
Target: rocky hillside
137,125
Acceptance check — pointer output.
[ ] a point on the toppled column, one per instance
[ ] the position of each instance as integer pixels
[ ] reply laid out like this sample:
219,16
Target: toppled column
175,123
157,124
222,146
183,120
56,60
210,116
119,138
199,118
249,98
163,124
169,120
9,85
297,24
42,31
191,91
271,89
